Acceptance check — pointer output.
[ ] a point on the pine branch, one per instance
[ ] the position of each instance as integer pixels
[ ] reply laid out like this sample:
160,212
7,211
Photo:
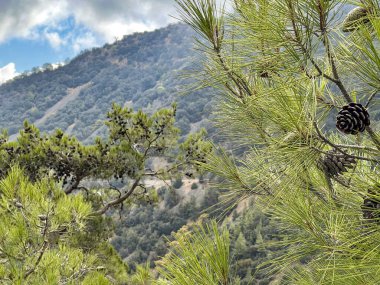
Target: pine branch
339,149
119,200
330,185
42,251
371,97
330,56
337,80
297,39
361,147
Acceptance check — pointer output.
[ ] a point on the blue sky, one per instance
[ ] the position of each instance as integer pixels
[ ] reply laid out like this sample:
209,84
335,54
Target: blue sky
34,32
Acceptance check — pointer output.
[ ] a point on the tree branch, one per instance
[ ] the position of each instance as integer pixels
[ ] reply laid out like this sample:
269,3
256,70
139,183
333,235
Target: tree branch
343,90
42,251
371,97
373,136
73,187
327,141
43,248
346,155
307,54
361,147
330,56
119,200
239,82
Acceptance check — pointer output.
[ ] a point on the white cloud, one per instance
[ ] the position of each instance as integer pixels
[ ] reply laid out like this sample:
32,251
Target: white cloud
104,20
18,18
54,39
74,25
7,72
115,18
84,41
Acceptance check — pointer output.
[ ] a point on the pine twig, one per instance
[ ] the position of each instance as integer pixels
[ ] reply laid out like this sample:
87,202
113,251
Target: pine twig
119,200
327,141
361,147
373,136
42,251
371,97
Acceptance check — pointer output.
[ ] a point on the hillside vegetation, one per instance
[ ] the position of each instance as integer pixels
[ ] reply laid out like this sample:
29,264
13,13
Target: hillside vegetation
141,71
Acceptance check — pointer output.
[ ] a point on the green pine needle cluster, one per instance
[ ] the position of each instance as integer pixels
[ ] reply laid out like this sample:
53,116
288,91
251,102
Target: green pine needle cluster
37,224
284,69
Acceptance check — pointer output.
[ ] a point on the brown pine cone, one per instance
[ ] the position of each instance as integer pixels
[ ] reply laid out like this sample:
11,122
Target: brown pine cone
353,118
334,164
371,205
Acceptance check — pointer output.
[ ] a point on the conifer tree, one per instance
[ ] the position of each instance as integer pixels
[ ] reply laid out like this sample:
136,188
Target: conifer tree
299,83
37,223
123,158
199,254
53,226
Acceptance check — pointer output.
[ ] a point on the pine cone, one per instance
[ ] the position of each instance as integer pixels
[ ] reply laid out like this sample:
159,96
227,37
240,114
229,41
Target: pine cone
356,17
264,74
371,205
334,164
353,118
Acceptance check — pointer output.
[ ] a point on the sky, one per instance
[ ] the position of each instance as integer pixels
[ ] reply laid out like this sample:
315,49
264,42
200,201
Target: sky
34,32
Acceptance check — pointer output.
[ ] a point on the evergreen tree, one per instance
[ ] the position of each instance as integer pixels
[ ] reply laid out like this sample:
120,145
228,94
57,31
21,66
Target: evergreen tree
199,254
299,83
38,222
122,160
53,227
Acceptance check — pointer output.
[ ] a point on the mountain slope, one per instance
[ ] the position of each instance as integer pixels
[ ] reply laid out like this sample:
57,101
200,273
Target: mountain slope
140,71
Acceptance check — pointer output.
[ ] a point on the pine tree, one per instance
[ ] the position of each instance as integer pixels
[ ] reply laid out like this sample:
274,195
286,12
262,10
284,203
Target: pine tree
199,254
299,83
53,226
123,159
37,222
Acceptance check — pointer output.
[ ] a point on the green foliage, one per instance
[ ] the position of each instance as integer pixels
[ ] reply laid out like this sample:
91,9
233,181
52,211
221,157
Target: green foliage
125,155
142,276
141,231
177,183
284,70
199,256
122,160
254,241
37,223
96,279
140,70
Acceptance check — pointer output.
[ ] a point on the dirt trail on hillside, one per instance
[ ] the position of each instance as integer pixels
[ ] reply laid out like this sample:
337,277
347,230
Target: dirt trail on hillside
72,94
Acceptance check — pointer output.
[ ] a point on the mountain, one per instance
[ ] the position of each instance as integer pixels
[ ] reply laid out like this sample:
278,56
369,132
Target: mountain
141,71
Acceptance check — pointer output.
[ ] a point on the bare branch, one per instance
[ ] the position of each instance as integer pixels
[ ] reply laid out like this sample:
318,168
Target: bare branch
73,187
114,188
119,200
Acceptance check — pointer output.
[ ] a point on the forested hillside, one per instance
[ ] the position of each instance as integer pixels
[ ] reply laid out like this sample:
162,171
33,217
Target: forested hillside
141,71
118,195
